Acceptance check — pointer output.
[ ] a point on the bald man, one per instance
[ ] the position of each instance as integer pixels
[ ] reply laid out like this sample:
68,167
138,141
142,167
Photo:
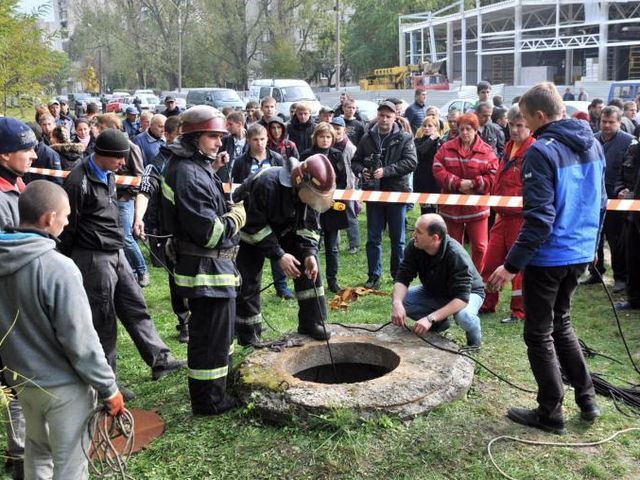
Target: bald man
152,138
450,283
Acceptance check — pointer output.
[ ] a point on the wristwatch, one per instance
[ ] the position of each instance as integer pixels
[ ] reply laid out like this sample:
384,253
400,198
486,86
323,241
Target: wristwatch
431,318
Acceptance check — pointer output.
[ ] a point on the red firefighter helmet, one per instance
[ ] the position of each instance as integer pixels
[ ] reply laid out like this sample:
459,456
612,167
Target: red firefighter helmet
203,118
315,180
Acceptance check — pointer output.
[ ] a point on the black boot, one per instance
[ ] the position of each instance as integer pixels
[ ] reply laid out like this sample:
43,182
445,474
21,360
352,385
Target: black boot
315,331
183,335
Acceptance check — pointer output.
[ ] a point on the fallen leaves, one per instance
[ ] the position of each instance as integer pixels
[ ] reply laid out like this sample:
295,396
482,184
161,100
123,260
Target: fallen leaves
350,294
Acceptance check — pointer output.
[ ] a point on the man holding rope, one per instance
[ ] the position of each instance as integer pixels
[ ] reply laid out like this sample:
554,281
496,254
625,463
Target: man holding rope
50,341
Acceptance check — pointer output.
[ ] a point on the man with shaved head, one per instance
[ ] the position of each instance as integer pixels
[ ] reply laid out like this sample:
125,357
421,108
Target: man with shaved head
152,138
450,283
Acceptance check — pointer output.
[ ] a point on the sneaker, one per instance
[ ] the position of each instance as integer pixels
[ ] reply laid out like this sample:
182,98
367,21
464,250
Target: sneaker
144,279
510,319
183,335
169,366
373,282
127,394
353,250
590,412
333,286
532,418
619,286
285,294
592,279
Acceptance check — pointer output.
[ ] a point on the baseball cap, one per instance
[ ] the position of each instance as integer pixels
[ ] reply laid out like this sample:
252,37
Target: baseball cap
131,111
339,121
169,99
53,101
387,104
326,109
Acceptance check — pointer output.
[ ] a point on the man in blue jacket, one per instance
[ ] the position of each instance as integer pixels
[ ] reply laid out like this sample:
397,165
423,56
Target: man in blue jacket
564,203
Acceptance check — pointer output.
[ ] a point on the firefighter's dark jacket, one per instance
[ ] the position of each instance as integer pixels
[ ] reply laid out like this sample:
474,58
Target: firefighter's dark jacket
275,211
193,208
94,222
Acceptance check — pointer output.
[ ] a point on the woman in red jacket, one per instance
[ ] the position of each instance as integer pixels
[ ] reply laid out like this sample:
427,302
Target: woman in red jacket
508,220
466,165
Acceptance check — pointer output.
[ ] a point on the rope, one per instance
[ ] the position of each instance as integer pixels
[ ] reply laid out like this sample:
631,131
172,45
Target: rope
326,336
549,444
105,461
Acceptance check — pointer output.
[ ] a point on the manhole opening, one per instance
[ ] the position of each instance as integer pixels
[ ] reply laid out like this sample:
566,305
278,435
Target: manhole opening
344,373
354,362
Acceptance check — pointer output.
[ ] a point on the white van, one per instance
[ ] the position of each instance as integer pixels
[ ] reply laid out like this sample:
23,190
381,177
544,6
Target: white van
286,92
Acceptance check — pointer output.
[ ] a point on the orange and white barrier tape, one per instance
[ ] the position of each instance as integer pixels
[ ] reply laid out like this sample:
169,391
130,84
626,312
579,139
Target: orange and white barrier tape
120,179
395,197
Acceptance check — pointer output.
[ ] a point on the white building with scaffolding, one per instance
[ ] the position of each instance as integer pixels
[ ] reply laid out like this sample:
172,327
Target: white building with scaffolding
518,42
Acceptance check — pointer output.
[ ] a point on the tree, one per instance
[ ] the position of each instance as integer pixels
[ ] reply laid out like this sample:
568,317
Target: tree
372,38
25,54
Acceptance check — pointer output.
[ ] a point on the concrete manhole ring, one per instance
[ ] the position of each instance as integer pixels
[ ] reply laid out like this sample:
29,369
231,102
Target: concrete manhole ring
390,372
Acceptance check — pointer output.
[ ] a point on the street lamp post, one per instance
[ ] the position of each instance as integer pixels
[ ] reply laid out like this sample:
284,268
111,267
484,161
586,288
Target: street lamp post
179,44
337,44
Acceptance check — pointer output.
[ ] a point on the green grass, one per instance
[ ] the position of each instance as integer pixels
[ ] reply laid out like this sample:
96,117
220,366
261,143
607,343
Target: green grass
449,443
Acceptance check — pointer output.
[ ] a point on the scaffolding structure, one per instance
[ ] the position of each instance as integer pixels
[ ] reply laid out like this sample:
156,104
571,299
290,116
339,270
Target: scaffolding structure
566,40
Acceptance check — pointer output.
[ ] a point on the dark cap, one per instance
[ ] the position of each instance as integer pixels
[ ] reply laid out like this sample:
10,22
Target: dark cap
387,104
326,109
112,143
15,135
339,121
169,99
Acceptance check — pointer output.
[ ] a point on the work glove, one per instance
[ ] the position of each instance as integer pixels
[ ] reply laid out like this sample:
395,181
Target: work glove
170,251
114,404
238,215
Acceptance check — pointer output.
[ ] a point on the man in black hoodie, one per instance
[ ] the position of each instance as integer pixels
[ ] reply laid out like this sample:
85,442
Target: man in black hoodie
300,128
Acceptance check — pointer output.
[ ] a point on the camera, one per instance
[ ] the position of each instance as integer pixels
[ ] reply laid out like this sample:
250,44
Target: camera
371,163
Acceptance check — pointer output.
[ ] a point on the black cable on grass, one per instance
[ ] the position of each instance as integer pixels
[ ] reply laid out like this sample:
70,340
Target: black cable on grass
615,314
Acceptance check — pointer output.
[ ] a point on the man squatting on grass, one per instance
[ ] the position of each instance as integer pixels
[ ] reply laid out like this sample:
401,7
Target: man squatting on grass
564,202
450,283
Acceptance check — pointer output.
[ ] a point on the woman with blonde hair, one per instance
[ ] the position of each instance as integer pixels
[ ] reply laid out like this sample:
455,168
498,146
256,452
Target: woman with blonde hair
428,141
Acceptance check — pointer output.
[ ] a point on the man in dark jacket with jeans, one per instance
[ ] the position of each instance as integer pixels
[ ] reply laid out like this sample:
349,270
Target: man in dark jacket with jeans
564,202
450,283
384,159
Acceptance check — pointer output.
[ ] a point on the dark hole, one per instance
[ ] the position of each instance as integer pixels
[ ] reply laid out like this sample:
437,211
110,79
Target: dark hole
345,373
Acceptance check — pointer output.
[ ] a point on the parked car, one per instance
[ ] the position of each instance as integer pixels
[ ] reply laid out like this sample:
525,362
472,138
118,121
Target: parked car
180,102
576,106
367,109
214,97
148,102
461,104
286,92
146,91
626,90
117,105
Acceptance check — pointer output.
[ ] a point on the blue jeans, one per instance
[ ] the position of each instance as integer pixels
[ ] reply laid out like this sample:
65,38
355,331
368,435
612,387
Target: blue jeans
331,253
419,303
353,231
279,277
378,215
131,248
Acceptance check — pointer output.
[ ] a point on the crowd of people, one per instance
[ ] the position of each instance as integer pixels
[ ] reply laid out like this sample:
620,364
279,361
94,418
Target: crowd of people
81,233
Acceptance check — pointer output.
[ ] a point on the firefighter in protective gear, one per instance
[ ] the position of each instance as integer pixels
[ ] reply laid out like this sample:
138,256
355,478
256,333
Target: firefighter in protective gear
205,238
283,206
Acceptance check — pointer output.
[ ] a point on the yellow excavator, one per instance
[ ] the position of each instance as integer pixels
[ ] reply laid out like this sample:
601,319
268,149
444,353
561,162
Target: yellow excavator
425,75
